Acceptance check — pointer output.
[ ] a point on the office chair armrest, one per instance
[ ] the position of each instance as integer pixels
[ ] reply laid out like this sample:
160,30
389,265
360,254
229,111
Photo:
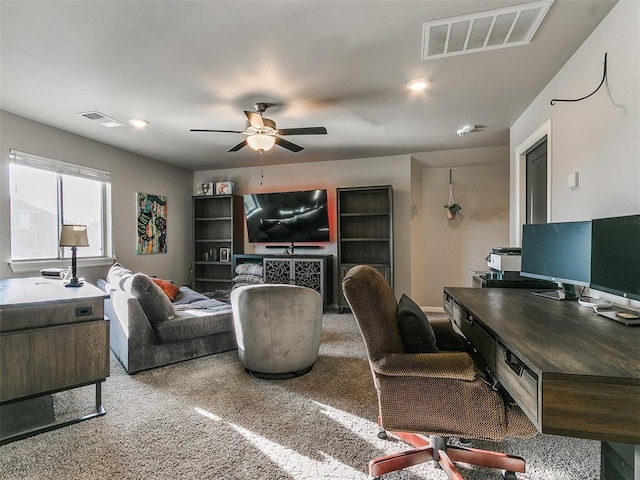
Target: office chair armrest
454,365
446,336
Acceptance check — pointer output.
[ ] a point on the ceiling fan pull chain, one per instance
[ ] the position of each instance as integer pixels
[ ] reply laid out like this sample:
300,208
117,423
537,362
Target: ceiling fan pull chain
261,166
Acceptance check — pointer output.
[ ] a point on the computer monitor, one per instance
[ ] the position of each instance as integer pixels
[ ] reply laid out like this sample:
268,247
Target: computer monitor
615,256
560,252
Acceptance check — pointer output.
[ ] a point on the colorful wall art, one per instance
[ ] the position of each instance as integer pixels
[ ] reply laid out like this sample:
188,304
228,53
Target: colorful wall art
152,223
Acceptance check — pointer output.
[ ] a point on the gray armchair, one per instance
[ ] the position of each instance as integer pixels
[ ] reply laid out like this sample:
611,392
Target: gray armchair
439,395
278,328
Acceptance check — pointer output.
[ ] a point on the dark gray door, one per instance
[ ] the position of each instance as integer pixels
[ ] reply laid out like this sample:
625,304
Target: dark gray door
537,183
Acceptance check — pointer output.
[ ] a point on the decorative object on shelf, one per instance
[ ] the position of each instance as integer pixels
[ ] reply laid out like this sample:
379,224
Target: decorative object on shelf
204,189
604,78
224,255
224,188
152,224
453,208
74,236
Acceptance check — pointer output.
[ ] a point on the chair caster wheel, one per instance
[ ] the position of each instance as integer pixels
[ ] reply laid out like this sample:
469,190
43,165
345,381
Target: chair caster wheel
509,475
383,436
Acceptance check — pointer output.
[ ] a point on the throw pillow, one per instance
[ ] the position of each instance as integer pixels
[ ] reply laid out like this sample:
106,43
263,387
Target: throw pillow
169,289
156,305
248,278
249,269
415,330
117,274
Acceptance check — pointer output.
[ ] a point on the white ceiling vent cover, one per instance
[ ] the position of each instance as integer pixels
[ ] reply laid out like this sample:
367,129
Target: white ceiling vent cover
482,31
102,119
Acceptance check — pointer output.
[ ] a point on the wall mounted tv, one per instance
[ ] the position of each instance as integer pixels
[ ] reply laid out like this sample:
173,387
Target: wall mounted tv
560,252
287,217
615,256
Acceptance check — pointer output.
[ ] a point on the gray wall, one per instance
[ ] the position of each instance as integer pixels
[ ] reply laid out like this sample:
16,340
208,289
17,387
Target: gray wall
130,173
599,136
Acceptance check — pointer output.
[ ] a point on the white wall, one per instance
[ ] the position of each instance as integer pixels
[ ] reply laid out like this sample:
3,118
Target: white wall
599,136
453,248
393,171
130,173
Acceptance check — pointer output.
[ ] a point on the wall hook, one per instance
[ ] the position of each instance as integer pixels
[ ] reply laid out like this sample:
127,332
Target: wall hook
604,77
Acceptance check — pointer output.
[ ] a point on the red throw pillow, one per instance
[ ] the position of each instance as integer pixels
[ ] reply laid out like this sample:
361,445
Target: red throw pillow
169,289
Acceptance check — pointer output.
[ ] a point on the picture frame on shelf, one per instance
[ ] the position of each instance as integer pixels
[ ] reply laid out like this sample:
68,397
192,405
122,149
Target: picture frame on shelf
204,189
224,188
225,255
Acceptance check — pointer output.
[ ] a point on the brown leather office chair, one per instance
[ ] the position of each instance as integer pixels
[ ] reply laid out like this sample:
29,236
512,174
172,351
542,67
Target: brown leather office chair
440,394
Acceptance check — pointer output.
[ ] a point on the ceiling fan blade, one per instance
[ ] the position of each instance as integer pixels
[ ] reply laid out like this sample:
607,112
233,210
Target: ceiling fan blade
255,119
238,146
288,145
222,131
303,131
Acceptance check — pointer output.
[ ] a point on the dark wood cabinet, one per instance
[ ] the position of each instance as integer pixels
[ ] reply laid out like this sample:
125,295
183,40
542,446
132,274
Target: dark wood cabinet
312,271
365,231
218,234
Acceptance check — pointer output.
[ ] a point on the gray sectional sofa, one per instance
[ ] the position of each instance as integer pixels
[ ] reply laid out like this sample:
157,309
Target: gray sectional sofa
149,330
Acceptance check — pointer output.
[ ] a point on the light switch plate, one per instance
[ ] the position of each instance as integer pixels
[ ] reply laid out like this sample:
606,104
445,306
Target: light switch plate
573,179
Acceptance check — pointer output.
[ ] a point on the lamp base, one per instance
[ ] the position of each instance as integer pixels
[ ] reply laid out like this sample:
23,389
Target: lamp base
74,282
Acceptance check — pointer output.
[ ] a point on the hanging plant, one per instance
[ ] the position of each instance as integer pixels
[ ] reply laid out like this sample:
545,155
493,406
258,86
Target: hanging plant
453,208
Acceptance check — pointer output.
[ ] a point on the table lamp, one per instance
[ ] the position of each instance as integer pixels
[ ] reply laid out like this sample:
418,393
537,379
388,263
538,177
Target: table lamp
74,236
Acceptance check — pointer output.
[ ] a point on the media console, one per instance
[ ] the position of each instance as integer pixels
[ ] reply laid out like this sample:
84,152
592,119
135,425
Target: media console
313,271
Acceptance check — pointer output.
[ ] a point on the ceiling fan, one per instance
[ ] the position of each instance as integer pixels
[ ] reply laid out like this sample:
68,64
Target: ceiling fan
262,133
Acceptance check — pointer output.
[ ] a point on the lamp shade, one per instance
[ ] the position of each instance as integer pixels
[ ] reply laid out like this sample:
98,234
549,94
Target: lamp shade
261,141
74,236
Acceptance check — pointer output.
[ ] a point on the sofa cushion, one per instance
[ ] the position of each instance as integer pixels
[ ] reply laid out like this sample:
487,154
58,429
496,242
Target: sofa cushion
156,305
415,330
169,289
190,324
117,275
186,296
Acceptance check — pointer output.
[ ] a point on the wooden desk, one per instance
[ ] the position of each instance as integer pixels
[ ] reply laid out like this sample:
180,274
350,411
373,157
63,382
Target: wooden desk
573,373
52,338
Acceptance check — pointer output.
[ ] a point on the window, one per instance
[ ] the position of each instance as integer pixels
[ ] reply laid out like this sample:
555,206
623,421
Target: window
46,193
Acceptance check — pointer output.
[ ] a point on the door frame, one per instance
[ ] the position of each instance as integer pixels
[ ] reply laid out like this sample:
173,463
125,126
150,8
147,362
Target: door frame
520,163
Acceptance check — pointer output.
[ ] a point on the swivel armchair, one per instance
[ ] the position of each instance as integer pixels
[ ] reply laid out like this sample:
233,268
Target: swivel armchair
427,398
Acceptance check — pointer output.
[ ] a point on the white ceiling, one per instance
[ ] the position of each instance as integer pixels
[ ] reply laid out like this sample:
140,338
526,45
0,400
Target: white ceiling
341,64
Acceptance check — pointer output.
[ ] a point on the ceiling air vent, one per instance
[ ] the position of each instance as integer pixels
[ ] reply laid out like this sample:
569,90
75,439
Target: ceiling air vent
102,119
482,31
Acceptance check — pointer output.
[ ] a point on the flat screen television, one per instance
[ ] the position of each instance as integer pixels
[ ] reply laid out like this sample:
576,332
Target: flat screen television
615,256
560,252
287,217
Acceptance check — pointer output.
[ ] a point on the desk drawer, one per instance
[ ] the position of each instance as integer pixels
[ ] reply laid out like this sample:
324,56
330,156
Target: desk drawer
23,317
456,314
482,341
520,381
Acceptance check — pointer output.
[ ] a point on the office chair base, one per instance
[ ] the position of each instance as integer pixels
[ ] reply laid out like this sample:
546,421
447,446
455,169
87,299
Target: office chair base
425,451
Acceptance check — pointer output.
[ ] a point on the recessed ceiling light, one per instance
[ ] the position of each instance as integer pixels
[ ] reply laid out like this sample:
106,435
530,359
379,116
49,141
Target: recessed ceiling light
138,122
418,84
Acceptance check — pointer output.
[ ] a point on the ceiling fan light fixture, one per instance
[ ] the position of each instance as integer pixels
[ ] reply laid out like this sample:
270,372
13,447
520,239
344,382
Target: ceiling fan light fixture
261,141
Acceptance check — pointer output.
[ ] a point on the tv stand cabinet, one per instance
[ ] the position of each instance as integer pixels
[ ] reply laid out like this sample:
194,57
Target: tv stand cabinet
313,271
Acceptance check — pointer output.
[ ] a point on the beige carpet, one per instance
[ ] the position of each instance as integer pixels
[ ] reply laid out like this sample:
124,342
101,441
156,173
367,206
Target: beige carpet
208,419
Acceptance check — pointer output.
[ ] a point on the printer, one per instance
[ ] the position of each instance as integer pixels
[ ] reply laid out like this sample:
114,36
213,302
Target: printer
504,259
504,271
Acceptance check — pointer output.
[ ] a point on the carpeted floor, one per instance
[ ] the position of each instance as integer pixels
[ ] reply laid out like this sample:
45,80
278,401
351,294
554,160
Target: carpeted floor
208,419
